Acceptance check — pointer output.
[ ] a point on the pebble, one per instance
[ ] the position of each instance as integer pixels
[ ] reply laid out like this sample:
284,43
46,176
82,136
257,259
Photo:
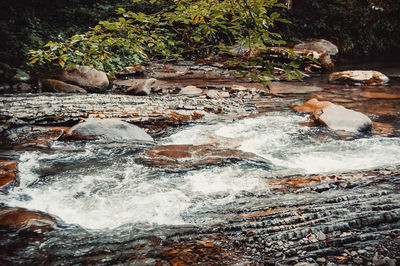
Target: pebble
321,260
321,236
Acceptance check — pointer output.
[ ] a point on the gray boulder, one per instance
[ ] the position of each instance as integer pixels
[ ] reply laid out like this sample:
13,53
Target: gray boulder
338,117
318,45
108,130
89,78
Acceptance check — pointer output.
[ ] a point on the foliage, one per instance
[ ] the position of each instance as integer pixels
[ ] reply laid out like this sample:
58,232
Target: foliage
356,26
180,29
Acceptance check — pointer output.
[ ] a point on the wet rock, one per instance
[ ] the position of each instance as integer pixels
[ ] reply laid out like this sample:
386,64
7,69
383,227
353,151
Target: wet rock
53,85
338,117
191,90
20,219
319,45
291,87
311,106
89,78
182,156
379,95
108,130
8,171
131,70
217,94
358,77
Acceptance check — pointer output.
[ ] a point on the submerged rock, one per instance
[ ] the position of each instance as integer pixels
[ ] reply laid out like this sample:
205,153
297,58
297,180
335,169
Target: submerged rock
86,77
338,117
108,130
20,219
53,85
359,77
290,87
8,172
182,156
319,45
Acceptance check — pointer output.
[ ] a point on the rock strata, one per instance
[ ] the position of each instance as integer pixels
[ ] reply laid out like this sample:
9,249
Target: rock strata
108,130
358,77
89,78
182,156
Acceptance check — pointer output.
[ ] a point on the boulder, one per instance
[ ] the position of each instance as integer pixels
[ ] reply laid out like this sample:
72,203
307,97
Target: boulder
108,130
89,78
182,156
359,77
217,94
338,117
191,90
311,106
53,85
143,87
21,87
131,70
20,219
292,87
319,45
8,172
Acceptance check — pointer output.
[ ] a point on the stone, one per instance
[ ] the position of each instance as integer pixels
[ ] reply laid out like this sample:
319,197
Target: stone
191,90
143,87
321,236
20,219
182,156
319,45
8,172
379,95
53,85
21,87
358,77
311,106
378,261
338,117
108,130
217,94
89,78
291,87
131,70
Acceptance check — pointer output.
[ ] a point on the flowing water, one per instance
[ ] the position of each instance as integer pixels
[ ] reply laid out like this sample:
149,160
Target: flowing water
107,198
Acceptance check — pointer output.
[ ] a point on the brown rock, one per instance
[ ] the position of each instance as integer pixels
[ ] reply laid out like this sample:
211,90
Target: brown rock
53,85
311,106
22,219
182,156
380,95
8,171
130,70
86,77
358,77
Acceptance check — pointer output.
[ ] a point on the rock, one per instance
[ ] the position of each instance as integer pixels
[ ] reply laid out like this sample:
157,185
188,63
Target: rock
321,236
108,130
311,106
191,90
379,95
53,85
217,94
291,87
378,261
319,45
131,70
20,219
321,260
21,87
338,117
182,156
142,87
358,77
89,78
8,171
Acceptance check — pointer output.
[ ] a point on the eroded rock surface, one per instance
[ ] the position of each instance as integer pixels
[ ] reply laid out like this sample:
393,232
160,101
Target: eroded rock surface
109,130
86,77
182,156
52,85
359,77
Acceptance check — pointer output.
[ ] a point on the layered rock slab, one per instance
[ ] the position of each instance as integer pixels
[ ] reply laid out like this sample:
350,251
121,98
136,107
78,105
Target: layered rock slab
184,156
358,77
89,78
